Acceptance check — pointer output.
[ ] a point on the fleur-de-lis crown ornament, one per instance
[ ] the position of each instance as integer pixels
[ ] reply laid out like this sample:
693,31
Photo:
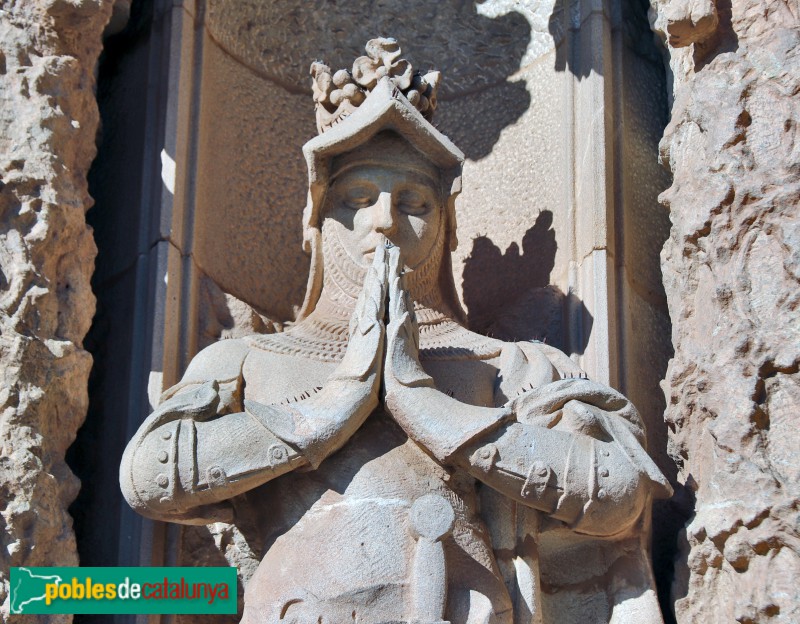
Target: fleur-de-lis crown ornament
337,95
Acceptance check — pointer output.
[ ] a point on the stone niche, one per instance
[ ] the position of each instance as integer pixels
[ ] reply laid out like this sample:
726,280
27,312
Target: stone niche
559,198
558,106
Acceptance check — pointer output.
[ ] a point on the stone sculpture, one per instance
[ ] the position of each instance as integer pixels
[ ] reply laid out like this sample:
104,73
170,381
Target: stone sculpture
418,472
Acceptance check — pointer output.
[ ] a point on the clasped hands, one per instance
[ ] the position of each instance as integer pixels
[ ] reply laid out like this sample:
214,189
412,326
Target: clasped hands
379,355
389,352
441,424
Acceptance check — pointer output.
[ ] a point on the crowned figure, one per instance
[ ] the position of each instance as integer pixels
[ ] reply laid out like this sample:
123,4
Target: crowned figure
418,472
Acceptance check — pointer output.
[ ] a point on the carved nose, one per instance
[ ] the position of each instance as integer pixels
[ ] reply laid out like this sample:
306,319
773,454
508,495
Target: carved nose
383,215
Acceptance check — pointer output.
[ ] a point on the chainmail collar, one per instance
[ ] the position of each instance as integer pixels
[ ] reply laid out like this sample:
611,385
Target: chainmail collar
324,333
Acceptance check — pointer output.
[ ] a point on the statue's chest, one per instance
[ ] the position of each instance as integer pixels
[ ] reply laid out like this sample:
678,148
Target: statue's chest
276,378
279,378
345,534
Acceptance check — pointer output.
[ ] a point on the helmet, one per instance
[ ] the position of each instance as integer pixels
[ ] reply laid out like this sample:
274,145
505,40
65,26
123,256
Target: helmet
374,104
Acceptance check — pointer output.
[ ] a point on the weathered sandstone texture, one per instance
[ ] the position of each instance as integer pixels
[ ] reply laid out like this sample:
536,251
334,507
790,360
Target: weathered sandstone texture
732,271
48,122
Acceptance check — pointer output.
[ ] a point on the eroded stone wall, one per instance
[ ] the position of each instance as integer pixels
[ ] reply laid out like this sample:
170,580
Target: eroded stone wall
732,271
48,122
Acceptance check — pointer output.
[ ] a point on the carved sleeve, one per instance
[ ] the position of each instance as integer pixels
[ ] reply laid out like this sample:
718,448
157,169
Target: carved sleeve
575,451
587,483
186,457
179,467
572,448
200,448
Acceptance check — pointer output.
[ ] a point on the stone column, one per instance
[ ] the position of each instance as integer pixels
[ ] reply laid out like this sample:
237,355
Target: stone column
48,123
731,276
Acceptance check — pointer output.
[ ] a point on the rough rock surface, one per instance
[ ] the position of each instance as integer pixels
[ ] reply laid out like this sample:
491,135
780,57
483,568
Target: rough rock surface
48,122
732,276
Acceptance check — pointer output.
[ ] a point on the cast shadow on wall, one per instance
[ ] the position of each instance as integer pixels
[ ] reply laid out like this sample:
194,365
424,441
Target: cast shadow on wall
475,121
469,114
508,294
564,26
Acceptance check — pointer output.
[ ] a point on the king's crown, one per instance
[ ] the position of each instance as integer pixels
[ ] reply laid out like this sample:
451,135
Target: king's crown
337,95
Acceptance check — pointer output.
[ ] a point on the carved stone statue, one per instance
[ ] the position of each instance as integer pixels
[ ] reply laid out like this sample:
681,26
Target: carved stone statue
418,472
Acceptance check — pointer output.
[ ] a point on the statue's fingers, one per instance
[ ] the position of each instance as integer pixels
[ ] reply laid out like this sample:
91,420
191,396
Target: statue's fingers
365,346
370,305
400,322
398,297
395,266
402,359
403,326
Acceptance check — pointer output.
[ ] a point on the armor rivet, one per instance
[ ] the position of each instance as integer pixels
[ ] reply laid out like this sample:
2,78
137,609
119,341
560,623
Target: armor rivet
162,480
604,472
542,471
163,457
216,473
277,453
605,453
601,493
166,435
485,453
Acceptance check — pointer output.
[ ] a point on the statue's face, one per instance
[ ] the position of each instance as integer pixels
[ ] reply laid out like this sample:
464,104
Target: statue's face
394,197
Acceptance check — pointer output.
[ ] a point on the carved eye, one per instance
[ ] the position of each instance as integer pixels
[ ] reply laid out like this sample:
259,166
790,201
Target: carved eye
413,203
358,197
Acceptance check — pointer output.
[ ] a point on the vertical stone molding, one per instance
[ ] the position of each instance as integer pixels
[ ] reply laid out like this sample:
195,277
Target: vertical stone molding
731,276
48,124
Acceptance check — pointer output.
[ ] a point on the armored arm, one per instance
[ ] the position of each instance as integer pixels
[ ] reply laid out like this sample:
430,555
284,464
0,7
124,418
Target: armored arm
192,453
185,459
598,482
571,448
574,450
